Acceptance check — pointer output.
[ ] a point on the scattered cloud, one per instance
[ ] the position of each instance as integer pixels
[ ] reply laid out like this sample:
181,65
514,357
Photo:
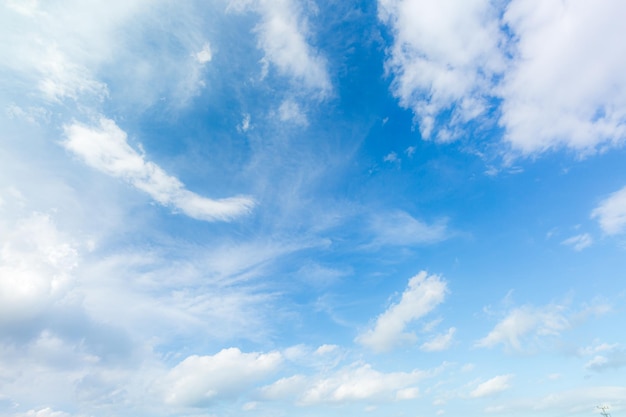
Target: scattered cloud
283,35
422,295
439,342
444,57
201,380
455,56
492,386
355,383
605,356
611,213
579,242
526,321
564,85
106,149
392,157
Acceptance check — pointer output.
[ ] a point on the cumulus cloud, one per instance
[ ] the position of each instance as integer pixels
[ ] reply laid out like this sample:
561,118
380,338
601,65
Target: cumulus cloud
556,70
492,386
105,148
439,342
350,384
579,242
565,84
423,293
444,57
526,321
200,380
611,213
400,228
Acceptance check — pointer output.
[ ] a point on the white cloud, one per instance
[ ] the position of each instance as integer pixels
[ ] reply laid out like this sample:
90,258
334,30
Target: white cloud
611,213
45,412
444,57
526,321
201,380
579,242
36,265
565,84
283,36
105,148
290,111
391,157
558,71
205,55
423,294
439,342
605,356
350,384
493,386
400,228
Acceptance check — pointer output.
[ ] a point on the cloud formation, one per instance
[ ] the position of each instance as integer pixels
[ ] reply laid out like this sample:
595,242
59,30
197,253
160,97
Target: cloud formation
526,321
200,380
611,213
423,293
492,386
105,148
554,71
579,242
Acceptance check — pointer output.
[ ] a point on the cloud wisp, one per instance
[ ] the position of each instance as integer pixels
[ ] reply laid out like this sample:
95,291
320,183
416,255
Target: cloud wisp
105,148
611,213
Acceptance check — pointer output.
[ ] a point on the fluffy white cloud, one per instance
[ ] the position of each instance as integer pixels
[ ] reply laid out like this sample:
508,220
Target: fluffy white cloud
423,293
611,213
439,342
400,228
558,72
444,57
567,79
45,412
105,148
526,321
200,380
36,264
283,36
493,386
351,384
579,242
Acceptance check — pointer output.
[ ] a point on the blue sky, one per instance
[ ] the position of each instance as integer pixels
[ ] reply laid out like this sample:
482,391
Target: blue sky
304,208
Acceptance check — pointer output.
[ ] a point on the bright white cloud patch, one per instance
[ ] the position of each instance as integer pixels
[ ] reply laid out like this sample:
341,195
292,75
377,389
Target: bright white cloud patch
350,384
579,242
105,148
493,386
444,57
439,342
36,264
205,55
526,321
201,380
423,294
560,78
566,83
611,213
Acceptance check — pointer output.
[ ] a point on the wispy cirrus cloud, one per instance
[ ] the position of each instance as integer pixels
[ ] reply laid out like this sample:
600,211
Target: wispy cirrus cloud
105,148
579,242
422,295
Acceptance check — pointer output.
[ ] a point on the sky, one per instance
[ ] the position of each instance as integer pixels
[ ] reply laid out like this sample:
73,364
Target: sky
312,207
